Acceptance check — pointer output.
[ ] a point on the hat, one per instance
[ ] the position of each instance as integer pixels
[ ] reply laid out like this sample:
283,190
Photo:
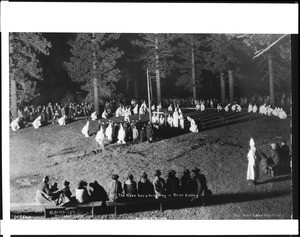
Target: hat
65,183
186,171
115,176
144,175
157,173
196,170
93,184
130,176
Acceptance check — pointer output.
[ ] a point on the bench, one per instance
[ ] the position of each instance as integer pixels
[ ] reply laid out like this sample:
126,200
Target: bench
50,210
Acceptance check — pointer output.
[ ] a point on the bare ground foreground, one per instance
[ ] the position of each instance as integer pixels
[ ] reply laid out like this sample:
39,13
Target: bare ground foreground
220,153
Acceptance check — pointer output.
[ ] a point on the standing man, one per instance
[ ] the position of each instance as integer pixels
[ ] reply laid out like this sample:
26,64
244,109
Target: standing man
252,171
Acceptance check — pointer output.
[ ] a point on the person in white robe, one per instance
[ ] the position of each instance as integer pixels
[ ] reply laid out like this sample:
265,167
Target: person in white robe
193,125
219,107
269,111
275,112
161,120
121,135
282,114
108,131
238,108
170,120
262,109
181,120
153,108
136,109
233,107
227,107
100,136
85,129
104,114
159,107
254,108
94,116
175,119
15,124
62,121
252,170
202,107
170,109
126,116
37,122
250,108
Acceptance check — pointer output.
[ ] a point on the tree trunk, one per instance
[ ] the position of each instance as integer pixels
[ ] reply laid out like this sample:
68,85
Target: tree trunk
96,96
127,85
157,73
136,87
222,83
193,70
231,86
271,79
13,94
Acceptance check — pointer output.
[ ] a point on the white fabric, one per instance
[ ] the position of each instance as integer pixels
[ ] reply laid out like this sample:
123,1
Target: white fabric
121,135
108,132
181,120
227,108
136,109
194,127
85,129
104,114
254,109
100,136
250,108
15,124
94,116
238,108
202,107
62,121
37,122
251,164
170,120
219,107
175,119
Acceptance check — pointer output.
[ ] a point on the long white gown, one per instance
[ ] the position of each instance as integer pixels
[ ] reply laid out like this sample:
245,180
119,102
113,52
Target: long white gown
250,107
108,132
121,135
85,129
100,136
175,119
15,124
251,164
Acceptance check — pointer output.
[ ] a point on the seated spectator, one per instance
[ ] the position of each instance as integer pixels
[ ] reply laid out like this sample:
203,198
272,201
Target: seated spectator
173,183
199,183
130,189
82,195
43,194
65,194
54,192
159,185
186,182
145,188
115,189
98,193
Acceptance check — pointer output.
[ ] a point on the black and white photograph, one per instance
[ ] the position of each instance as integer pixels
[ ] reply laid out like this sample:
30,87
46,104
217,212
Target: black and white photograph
143,125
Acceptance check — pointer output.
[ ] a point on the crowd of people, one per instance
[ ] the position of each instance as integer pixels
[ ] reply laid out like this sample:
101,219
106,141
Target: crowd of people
193,185
61,113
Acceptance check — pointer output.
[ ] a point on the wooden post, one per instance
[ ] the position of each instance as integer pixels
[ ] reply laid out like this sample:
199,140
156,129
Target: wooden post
222,84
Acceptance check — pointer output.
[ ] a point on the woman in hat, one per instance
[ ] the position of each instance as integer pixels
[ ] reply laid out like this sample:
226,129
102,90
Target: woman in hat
173,183
145,187
159,185
130,189
186,182
115,188
98,193
82,195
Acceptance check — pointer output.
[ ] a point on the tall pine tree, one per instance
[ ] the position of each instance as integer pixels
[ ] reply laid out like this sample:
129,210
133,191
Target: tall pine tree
189,61
24,69
157,51
93,64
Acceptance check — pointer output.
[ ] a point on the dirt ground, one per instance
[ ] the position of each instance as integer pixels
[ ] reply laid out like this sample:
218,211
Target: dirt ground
221,154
